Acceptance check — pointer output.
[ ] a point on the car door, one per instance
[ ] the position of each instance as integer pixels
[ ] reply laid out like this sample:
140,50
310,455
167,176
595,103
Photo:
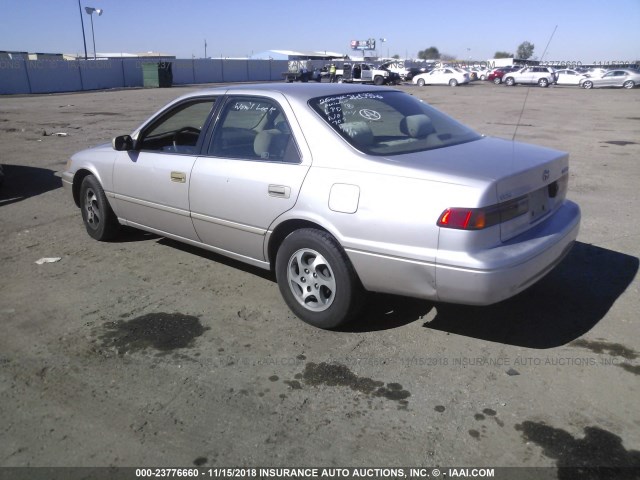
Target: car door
250,173
607,80
367,73
151,182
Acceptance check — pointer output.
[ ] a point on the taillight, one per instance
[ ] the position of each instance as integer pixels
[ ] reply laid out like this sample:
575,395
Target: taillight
479,218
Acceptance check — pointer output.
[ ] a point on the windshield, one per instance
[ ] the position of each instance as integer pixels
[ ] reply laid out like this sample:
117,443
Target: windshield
390,123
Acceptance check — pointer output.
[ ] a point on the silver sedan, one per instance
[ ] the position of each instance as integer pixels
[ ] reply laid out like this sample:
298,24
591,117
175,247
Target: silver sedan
626,78
340,190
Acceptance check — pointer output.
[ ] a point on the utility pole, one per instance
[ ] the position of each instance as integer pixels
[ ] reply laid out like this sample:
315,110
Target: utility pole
83,37
205,48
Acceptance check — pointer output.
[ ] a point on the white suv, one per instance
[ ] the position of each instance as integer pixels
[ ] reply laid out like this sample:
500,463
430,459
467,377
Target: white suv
542,76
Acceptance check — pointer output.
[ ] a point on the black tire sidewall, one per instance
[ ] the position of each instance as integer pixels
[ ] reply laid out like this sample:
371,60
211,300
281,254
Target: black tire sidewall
348,294
108,225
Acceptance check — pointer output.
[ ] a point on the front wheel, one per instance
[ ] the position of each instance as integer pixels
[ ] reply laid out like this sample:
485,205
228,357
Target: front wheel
339,79
378,80
98,217
629,84
421,82
588,85
497,80
510,82
543,82
453,82
317,280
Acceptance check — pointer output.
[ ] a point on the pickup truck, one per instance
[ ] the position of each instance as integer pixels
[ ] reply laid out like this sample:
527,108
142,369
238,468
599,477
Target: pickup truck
367,73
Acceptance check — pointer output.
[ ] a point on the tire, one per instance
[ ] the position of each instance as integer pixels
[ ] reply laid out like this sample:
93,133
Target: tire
378,80
421,82
339,79
587,84
317,280
629,84
510,82
543,82
98,217
483,77
497,80
453,82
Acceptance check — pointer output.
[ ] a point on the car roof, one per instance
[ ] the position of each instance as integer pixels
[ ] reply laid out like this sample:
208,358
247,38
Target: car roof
299,91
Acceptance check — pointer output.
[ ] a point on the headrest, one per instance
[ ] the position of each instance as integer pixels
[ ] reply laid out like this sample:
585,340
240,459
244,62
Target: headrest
268,144
416,126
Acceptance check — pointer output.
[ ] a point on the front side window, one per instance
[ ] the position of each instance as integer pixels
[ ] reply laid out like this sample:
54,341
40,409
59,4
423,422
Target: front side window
390,123
253,129
178,130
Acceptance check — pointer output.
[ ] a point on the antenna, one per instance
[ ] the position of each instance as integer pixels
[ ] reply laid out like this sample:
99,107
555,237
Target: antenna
529,87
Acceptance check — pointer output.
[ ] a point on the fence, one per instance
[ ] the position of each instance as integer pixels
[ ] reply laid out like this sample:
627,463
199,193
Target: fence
51,76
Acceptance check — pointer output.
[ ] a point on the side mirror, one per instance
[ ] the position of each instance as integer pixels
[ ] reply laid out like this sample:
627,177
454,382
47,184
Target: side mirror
122,143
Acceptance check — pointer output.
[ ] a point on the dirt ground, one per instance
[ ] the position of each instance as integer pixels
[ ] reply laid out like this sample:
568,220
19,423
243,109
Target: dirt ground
146,352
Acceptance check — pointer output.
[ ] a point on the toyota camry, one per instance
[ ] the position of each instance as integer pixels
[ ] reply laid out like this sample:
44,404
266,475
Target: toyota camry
340,190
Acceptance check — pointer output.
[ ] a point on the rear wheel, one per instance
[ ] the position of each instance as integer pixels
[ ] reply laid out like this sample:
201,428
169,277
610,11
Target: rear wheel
543,82
317,280
510,82
453,82
421,82
629,84
588,84
98,217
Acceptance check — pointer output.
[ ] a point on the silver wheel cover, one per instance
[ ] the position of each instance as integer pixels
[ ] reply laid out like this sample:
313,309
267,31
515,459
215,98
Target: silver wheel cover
311,280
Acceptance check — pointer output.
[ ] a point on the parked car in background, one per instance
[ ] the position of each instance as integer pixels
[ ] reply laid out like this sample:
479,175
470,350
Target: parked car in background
569,77
595,72
627,78
481,73
451,76
497,74
339,189
542,76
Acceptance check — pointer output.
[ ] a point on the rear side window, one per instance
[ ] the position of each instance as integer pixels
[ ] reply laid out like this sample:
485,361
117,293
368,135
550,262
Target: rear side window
253,129
390,122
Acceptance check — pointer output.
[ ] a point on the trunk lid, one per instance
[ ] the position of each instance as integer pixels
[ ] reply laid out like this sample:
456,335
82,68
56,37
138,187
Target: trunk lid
531,179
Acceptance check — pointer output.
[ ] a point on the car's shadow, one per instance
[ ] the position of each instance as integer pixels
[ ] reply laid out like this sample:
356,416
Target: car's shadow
230,262
560,308
21,182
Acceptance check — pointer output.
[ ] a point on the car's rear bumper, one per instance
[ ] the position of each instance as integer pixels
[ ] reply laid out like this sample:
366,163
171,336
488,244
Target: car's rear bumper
505,271
483,278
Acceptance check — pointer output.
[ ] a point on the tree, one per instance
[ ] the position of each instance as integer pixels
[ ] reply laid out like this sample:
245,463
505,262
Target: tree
525,50
447,57
396,56
502,55
430,53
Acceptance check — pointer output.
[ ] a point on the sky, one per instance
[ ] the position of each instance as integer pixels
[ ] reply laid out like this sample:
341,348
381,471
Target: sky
588,31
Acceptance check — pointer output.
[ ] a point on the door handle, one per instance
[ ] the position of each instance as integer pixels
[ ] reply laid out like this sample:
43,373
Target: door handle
279,191
178,177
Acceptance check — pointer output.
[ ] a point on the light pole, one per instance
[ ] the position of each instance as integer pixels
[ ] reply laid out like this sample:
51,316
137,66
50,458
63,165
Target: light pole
84,40
384,40
90,11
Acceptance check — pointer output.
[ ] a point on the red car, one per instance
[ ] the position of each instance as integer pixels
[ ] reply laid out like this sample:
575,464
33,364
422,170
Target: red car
498,73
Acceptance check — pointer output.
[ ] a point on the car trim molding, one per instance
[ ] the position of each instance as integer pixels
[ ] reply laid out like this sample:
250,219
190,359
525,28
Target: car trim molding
228,223
157,206
392,257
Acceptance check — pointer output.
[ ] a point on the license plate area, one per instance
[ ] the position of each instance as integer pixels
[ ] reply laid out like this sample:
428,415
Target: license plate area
539,205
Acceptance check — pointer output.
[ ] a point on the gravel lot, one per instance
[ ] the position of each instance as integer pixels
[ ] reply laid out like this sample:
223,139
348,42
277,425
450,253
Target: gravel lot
146,352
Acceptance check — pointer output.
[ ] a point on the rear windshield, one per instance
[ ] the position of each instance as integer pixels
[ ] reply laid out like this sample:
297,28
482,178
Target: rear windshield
390,122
